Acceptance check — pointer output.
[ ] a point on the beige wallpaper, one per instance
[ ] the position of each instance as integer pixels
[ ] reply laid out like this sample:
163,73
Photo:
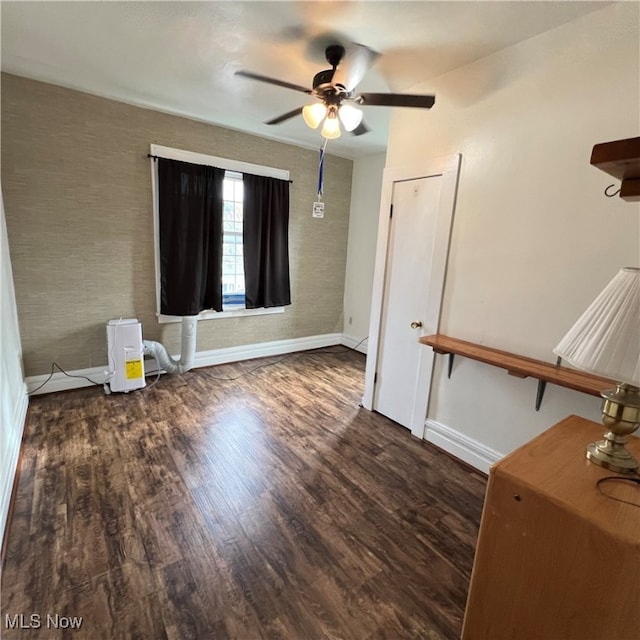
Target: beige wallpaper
77,191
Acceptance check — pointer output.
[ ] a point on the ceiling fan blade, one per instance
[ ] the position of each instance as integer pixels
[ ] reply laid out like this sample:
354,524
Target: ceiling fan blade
360,129
268,80
396,100
285,116
355,65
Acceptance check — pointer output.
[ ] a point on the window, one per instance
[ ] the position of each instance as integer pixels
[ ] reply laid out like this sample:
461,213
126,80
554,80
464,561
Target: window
234,295
232,255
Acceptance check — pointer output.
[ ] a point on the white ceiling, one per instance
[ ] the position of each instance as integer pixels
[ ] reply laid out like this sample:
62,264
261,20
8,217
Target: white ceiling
180,57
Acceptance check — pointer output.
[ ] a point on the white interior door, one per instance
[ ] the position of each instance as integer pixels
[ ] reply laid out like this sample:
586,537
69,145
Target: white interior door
411,260
412,234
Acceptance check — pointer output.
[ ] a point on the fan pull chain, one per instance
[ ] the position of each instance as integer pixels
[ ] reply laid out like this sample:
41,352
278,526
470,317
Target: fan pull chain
321,171
318,205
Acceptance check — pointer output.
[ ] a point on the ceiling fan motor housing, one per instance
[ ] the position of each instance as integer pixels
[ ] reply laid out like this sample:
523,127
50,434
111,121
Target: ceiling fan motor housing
322,80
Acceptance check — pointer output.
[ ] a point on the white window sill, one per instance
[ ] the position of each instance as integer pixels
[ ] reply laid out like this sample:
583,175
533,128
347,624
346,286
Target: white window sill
218,315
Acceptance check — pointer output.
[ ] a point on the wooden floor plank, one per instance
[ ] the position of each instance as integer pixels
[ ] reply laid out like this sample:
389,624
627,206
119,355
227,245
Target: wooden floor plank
256,500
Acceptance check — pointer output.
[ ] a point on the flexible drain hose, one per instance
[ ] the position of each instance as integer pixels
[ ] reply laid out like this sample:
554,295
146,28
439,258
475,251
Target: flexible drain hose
187,352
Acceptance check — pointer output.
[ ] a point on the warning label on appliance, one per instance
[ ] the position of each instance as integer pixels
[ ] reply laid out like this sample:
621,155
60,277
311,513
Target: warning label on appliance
134,369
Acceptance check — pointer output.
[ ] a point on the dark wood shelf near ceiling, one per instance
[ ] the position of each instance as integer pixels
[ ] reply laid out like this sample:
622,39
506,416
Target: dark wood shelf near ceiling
620,159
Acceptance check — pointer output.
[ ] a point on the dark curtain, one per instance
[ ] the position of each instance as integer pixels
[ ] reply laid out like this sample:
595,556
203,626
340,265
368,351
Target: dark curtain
190,211
266,242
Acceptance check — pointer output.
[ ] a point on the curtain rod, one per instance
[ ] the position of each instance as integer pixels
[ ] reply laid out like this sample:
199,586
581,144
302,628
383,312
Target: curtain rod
150,155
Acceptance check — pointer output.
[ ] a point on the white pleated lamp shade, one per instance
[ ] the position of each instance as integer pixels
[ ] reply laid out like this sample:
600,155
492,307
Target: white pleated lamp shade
605,340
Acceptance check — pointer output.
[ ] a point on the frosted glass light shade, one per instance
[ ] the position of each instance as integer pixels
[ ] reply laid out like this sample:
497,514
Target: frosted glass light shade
331,128
350,116
313,114
605,340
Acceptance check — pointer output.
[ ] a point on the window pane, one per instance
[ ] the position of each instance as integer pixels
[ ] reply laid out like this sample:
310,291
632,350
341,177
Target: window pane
227,190
232,260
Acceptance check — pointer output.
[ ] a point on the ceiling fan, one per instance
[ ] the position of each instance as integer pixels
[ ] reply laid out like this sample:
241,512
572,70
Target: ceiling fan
334,91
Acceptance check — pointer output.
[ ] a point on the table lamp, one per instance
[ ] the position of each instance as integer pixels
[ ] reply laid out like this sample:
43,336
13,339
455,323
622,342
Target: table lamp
605,340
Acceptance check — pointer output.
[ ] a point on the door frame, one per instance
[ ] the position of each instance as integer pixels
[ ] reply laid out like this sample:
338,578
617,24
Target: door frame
449,168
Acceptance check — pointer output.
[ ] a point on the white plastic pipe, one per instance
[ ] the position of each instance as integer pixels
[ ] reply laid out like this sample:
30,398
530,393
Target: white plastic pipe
187,352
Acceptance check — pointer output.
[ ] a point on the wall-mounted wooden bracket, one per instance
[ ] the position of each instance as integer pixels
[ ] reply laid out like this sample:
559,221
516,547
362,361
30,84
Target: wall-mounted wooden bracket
520,366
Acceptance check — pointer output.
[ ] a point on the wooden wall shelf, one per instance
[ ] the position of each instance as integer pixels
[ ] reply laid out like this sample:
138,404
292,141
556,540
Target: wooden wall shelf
519,366
620,159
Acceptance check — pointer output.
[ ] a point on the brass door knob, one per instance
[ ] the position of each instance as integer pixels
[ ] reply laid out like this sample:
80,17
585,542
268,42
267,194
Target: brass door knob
417,324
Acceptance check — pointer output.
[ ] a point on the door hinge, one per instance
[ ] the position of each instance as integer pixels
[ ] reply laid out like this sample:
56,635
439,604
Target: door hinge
391,211
375,377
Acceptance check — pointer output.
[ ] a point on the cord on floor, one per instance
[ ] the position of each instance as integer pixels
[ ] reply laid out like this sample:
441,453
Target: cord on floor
55,365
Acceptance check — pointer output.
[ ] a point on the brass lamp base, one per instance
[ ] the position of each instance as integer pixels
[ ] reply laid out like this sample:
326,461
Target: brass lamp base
611,458
621,416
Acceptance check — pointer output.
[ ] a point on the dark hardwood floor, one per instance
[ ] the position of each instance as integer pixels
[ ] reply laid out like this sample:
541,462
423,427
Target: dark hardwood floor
268,505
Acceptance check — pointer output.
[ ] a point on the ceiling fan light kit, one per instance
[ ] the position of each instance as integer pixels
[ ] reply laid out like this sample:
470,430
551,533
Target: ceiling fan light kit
331,127
350,116
334,89
314,114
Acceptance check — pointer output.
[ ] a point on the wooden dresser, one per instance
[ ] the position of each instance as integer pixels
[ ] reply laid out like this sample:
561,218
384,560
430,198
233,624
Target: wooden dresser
556,559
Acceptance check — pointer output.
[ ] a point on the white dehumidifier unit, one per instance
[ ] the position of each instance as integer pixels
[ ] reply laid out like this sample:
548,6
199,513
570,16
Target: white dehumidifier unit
126,355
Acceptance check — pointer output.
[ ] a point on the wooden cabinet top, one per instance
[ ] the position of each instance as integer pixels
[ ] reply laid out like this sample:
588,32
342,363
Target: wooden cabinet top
555,465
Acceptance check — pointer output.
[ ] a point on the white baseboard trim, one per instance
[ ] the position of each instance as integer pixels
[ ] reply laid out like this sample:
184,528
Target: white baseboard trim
354,343
8,472
265,349
462,447
74,380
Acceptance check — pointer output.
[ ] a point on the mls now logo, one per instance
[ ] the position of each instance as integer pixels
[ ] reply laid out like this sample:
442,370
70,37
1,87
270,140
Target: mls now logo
21,621
36,621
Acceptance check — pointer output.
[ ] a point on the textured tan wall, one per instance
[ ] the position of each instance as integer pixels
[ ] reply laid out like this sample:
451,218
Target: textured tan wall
77,190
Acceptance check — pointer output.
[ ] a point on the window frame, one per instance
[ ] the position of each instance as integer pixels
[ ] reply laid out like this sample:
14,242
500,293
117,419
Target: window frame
223,163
